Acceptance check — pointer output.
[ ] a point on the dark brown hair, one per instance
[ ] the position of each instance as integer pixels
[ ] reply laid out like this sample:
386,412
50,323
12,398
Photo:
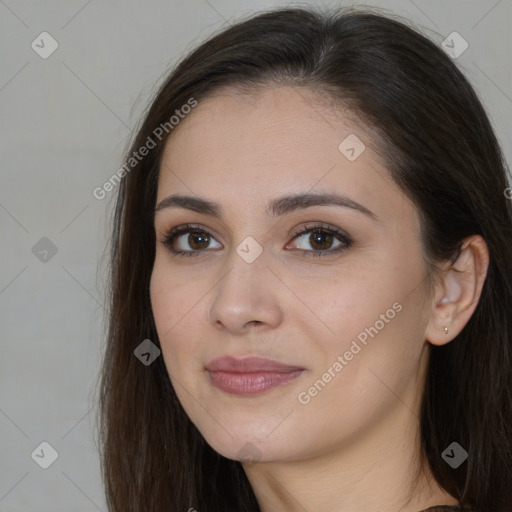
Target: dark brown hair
440,149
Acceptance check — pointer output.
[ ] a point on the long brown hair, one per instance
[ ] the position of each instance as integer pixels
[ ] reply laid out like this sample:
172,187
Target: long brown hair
440,149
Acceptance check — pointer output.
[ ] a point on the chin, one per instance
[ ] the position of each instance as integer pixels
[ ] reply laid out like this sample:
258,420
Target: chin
245,445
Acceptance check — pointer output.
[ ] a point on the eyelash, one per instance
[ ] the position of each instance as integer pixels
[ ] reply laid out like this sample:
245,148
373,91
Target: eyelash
322,228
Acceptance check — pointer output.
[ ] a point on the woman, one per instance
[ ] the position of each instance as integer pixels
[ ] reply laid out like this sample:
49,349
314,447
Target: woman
311,280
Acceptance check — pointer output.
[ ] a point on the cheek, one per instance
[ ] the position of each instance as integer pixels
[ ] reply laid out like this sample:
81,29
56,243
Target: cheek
346,305
167,310
176,304
162,296
373,319
171,297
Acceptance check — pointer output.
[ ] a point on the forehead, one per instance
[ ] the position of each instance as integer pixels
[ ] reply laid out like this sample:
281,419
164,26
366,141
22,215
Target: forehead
240,148
290,121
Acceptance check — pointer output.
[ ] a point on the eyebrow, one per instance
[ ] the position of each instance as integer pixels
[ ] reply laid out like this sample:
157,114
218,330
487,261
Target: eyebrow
276,208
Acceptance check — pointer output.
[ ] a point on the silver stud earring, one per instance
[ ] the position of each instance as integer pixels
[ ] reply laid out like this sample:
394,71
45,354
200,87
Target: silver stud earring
446,330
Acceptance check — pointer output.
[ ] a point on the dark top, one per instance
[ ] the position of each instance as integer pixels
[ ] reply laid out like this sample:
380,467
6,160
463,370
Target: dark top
444,508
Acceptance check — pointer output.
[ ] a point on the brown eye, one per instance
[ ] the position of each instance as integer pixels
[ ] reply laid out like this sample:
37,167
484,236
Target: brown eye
198,240
195,243
321,240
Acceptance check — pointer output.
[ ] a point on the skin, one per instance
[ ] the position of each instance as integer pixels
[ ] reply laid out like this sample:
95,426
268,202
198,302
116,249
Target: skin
353,446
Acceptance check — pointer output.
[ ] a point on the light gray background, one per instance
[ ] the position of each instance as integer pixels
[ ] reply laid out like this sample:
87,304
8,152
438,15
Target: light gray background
66,121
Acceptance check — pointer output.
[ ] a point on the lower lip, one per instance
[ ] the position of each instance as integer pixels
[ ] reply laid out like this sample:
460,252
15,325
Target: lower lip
251,383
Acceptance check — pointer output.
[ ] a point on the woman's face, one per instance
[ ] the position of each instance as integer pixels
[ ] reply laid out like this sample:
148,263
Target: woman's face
352,321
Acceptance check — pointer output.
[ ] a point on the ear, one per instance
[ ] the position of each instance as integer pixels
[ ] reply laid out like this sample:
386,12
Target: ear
458,292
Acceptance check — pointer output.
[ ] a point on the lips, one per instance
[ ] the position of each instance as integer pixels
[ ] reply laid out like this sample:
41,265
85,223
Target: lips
251,375
249,365
251,383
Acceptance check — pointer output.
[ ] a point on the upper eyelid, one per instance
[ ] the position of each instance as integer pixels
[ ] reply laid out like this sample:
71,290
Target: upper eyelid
307,226
183,229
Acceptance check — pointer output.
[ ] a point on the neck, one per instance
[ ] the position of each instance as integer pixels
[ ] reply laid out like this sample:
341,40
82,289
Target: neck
373,472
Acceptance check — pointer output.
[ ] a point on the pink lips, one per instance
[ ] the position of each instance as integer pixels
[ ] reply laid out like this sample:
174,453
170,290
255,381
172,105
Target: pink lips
251,375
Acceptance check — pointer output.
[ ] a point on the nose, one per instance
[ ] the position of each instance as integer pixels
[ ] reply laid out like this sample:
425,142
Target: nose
248,296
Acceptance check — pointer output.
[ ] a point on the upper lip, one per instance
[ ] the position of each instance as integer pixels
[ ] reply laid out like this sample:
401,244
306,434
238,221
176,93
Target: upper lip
248,365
